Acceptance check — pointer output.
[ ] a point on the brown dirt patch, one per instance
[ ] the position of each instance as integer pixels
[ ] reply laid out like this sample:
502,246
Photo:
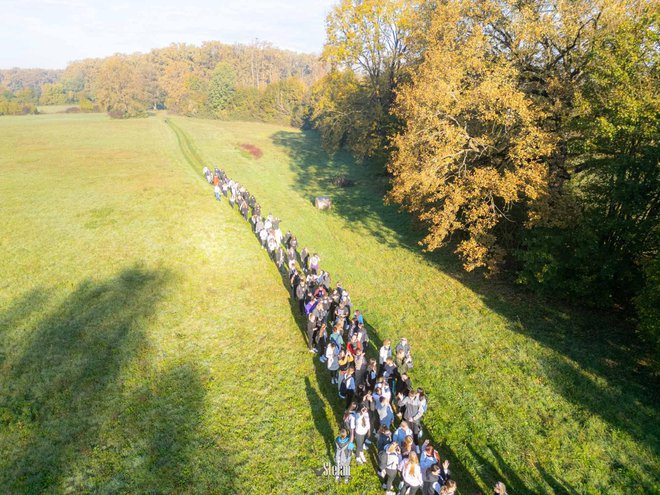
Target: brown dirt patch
255,151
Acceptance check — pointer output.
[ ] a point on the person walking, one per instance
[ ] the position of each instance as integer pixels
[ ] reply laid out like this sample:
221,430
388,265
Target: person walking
401,433
311,331
301,291
412,412
332,360
304,259
389,372
337,337
385,412
428,459
385,352
411,474
449,488
499,488
371,375
343,456
360,363
348,386
383,438
390,467
349,420
321,342
314,263
362,429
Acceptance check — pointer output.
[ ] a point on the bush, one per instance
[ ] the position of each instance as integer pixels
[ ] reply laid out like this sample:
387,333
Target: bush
14,107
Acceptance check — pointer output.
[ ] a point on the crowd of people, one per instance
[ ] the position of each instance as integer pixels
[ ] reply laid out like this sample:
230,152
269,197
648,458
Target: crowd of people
383,410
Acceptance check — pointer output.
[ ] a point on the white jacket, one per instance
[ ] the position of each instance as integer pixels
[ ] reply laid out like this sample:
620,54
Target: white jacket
333,358
414,479
393,460
360,428
383,354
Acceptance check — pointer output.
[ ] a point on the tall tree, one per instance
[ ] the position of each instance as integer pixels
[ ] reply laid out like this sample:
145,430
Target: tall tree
613,149
486,150
371,39
117,87
472,147
222,88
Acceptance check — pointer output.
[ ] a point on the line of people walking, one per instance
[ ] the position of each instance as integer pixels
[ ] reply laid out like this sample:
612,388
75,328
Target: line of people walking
383,410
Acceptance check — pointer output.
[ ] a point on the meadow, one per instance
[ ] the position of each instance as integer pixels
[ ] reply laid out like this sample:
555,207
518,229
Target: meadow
147,343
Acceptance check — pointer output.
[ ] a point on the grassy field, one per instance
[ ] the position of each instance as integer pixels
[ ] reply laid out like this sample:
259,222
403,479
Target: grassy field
147,344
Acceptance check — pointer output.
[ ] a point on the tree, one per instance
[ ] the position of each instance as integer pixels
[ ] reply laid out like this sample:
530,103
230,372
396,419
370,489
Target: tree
342,114
222,88
488,146
283,102
53,94
117,87
368,38
472,147
613,147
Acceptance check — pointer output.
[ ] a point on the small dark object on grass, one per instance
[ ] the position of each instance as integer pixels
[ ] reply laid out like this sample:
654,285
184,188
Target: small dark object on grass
72,110
253,150
342,181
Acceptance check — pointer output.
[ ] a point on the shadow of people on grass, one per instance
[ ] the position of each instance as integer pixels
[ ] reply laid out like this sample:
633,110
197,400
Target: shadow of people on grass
15,317
587,343
55,387
321,421
497,470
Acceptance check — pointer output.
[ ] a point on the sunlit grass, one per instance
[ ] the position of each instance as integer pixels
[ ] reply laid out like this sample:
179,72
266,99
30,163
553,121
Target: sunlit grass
547,399
147,344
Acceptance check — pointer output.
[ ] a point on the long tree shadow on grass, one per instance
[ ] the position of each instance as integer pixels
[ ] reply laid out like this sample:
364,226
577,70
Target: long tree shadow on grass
171,452
14,318
591,343
55,391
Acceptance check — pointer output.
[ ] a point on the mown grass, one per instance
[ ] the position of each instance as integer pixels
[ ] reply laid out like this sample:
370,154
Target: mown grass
547,399
146,344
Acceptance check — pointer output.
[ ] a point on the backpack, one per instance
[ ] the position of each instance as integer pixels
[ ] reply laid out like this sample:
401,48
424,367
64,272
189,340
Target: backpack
342,387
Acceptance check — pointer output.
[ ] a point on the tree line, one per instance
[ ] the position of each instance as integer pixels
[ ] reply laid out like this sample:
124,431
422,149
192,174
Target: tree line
523,135
255,81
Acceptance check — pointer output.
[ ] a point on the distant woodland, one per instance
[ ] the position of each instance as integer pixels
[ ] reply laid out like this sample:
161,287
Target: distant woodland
523,136
255,81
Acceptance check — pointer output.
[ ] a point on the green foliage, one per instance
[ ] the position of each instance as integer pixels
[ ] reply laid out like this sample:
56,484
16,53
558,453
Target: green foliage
343,113
647,304
597,257
53,94
26,95
283,102
12,106
86,105
368,40
221,88
245,104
